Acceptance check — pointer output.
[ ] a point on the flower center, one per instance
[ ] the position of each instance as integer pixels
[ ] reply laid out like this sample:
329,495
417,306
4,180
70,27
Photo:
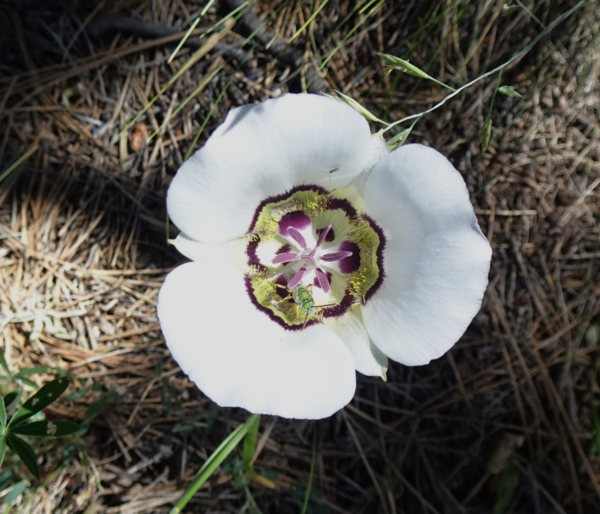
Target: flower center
312,256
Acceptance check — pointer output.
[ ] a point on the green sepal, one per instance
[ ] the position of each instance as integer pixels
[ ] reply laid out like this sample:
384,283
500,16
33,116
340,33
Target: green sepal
25,453
2,448
399,139
509,91
486,133
47,428
40,400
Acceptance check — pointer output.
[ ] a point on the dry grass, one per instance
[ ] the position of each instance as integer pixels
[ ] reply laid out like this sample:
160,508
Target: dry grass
82,243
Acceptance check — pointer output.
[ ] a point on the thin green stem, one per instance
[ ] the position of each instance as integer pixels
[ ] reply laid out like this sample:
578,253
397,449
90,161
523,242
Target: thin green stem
208,116
312,471
214,461
495,70
307,23
495,93
184,39
18,162
194,58
533,16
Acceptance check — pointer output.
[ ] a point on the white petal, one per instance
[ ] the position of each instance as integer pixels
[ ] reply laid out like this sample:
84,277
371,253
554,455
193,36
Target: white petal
231,252
354,191
240,358
368,359
263,151
436,259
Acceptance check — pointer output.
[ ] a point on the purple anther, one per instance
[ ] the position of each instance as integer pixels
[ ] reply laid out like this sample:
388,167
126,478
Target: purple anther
297,278
285,257
335,256
323,235
310,257
323,281
297,236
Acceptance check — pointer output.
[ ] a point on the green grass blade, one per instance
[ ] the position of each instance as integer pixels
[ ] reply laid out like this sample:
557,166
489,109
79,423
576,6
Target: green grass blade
208,116
250,443
18,162
214,461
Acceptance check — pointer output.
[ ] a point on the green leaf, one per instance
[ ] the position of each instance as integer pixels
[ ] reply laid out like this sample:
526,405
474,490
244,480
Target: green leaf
250,443
11,399
77,394
2,413
40,400
47,428
507,486
15,492
25,453
2,448
4,364
36,371
486,133
28,383
508,91
5,478
97,407
596,424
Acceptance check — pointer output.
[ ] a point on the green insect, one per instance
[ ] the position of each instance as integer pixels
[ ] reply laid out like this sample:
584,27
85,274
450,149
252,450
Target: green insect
304,300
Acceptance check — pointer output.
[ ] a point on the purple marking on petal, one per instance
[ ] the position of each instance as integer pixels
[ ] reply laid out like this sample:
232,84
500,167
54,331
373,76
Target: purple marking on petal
283,249
270,313
282,291
380,264
336,256
323,235
285,257
323,282
278,198
341,308
350,263
310,257
296,219
296,236
297,278
343,204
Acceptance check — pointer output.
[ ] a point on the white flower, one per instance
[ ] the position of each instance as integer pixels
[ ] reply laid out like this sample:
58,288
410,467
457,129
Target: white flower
315,252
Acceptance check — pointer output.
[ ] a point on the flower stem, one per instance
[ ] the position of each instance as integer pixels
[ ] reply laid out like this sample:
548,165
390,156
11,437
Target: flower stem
214,461
495,70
